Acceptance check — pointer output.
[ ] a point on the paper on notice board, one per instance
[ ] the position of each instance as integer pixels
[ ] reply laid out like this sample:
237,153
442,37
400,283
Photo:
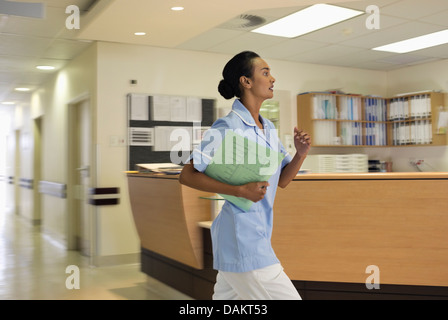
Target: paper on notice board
239,161
161,110
172,138
139,107
178,108
194,109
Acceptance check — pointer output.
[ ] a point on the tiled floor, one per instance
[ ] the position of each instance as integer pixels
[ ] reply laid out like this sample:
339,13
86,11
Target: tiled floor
32,267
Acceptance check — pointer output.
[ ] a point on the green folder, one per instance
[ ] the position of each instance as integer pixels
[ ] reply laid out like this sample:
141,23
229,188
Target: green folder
239,160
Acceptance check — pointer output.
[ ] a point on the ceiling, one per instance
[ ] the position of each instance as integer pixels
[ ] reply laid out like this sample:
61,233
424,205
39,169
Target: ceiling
211,26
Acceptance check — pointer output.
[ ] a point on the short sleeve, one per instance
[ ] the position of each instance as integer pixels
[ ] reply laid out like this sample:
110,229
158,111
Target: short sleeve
204,152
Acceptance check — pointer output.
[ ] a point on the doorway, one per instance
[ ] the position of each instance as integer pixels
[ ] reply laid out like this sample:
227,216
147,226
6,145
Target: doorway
80,214
37,167
16,177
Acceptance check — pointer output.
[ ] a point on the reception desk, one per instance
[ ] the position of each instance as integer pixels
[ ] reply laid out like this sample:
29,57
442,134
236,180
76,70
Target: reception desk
328,229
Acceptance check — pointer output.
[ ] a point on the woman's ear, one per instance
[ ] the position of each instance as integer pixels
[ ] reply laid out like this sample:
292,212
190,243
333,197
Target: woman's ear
245,82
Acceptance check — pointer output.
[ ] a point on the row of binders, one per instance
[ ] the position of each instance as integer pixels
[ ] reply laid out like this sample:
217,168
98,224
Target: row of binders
325,107
376,134
369,134
414,107
350,108
325,133
351,133
375,109
415,132
372,131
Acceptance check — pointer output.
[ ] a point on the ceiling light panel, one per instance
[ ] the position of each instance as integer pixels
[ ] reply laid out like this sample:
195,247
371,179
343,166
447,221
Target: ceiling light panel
308,20
45,67
417,43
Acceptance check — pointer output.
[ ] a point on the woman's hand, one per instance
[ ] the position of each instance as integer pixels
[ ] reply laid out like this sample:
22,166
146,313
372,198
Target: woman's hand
253,191
302,142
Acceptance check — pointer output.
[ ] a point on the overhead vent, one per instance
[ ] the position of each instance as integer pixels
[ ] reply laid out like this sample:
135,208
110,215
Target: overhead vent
88,6
242,22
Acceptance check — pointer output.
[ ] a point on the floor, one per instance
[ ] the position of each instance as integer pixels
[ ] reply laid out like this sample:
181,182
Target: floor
32,267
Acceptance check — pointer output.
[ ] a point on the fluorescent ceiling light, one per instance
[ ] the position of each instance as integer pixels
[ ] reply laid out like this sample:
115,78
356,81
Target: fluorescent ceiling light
8,103
308,20
418,43
45,67
23,89
140,33
177,8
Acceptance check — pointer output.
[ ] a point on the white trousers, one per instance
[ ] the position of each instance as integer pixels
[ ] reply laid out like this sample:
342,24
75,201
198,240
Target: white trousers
269,283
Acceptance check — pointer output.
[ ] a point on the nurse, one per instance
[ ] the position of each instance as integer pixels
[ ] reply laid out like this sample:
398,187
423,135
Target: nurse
247,266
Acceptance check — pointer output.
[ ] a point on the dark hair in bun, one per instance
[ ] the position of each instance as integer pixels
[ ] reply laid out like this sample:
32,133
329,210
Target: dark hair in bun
240,65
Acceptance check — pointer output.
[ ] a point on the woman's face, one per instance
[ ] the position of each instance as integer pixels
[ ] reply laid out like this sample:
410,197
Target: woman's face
262,82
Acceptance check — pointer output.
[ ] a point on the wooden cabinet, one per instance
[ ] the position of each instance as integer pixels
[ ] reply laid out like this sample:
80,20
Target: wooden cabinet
365,121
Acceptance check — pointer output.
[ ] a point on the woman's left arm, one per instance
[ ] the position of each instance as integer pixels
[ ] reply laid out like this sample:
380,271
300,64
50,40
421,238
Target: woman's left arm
302,142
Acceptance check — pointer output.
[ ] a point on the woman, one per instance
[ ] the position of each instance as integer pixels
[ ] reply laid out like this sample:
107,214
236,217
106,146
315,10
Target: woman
243,255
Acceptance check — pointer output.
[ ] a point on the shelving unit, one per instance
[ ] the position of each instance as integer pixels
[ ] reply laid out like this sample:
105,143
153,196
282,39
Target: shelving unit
413,119
365,121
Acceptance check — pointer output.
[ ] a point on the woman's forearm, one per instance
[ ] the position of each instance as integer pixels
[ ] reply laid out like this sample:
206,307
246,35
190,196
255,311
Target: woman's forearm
198,180
254,191
302,142
290,171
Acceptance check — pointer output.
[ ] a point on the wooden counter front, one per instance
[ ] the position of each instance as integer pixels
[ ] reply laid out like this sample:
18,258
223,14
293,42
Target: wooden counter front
332,227
166,216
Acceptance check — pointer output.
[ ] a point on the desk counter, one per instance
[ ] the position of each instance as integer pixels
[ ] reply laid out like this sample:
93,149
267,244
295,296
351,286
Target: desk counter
331,227
327,227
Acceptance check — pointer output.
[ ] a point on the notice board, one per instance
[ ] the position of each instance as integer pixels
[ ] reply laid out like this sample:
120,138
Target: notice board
153,119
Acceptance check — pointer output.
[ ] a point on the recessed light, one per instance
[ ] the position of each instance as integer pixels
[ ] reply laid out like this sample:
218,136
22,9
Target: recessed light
9,103
140,33
417,43
22,89
45,67
307,20
177,8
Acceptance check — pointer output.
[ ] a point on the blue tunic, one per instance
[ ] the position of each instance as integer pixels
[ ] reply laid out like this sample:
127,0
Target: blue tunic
242,240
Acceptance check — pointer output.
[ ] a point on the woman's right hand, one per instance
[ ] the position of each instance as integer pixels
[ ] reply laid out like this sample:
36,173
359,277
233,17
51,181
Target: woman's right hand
254,191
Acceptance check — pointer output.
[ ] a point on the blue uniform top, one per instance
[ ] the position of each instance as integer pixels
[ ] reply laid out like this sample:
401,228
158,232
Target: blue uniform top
242,240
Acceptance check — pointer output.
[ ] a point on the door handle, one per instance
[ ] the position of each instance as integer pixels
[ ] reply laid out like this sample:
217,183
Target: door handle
85,170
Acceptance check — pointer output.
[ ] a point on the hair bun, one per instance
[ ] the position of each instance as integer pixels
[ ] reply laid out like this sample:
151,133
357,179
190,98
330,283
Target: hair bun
226,90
